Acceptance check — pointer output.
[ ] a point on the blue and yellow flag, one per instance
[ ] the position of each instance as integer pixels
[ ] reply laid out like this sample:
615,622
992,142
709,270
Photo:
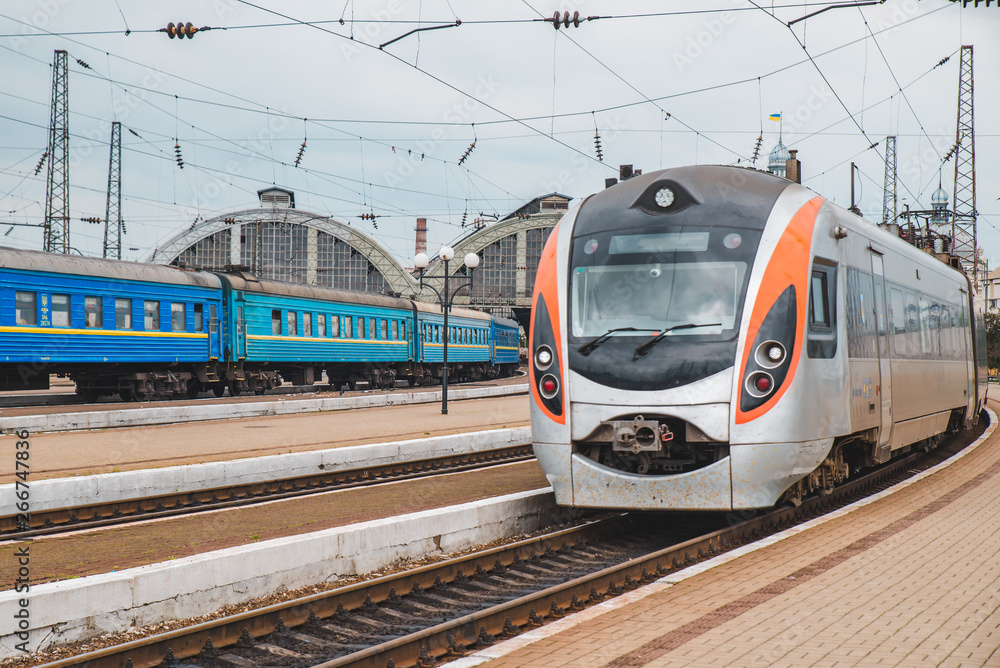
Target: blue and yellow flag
774,117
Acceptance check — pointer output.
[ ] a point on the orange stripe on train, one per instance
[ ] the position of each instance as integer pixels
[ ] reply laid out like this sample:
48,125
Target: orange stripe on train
789,265
547,284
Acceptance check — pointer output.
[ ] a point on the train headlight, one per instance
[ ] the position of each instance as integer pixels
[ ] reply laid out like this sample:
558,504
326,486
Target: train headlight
548,386
770,354
543,357
664,197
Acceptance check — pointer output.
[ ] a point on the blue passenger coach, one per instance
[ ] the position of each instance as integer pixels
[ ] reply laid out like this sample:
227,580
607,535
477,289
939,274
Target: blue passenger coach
136,329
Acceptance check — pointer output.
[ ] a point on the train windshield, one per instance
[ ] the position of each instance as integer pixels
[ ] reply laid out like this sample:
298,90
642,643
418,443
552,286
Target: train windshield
692,280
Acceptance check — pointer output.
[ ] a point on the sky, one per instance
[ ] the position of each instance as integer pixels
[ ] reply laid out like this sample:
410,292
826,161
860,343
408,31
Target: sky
470,121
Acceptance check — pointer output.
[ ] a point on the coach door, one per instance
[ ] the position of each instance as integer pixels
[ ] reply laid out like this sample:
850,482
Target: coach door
240,327
883,389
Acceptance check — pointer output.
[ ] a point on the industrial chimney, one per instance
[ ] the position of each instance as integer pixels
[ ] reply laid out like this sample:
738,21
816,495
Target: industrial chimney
421,246
793,168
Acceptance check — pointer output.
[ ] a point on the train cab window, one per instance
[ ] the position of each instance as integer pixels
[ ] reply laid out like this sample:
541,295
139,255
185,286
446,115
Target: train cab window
93,313
276,322
151,316
307,324
293,327
178,317
60,310
321,325
335,326
199,317
26,307
821,340
123,313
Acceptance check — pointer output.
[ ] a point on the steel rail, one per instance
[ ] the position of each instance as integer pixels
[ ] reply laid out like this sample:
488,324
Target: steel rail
62,520
469,632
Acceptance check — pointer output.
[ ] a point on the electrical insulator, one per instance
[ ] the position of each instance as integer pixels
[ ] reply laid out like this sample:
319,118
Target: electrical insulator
177,154
465,214
465,156
229,221
302,149
9,230
83,64
92,220
756,148
565,19
597,146
181,30
134,132
41,162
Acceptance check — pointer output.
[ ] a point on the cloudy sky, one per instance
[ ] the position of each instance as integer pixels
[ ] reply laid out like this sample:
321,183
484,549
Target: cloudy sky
663,83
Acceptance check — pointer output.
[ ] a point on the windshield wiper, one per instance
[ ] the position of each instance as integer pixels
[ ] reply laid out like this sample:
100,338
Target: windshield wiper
589,346
644,348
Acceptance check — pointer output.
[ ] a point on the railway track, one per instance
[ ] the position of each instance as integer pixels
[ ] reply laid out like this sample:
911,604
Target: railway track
44,523
443,611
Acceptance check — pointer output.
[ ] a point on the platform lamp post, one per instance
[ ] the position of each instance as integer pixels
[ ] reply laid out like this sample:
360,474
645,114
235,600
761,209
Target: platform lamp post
445,298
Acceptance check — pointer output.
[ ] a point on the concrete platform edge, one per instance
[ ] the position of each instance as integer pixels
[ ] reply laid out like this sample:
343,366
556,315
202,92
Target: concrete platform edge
74,610
133,417
78,491
525,639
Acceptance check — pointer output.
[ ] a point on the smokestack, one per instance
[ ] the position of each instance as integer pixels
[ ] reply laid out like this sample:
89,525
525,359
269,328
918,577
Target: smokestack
421,246
793,168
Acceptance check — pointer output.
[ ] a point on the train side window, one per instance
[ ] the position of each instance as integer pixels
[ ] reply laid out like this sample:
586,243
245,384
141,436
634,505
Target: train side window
276,322
60,310
335,326
348,327
26,307
897,317
372,328
361,329
912,325
926,345
213,320
385,330
822,335
321,325
293,327
151,316
178,317
93,313
307,324
395,330
199,317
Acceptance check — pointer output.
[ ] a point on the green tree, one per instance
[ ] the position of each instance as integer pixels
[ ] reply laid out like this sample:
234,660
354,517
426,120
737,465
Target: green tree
993,338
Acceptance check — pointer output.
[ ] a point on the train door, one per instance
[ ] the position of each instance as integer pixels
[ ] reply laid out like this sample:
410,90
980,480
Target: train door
214,338
240,328
884,387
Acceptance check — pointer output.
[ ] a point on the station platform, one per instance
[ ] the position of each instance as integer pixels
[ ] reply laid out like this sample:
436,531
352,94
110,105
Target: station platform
909,577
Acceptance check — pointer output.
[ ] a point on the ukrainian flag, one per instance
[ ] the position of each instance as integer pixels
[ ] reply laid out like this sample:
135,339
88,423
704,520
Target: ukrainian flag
774,117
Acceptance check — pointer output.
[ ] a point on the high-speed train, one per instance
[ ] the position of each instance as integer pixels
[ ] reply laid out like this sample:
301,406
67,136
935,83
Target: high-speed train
719,338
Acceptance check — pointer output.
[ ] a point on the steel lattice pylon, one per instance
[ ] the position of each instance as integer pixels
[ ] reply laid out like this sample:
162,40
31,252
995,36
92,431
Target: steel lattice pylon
889,188
57,183
964,201
113,226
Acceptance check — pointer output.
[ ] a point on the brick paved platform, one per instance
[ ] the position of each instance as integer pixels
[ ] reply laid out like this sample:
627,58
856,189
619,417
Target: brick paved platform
910,577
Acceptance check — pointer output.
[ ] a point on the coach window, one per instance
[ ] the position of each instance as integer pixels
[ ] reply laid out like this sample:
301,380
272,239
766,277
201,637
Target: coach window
821,337
178,317
60,310
151,312
123,313
307,324
93,315
276,322
26,304
897,317
321,325
348,327
361,329
335,326
293,327
395,330
199,317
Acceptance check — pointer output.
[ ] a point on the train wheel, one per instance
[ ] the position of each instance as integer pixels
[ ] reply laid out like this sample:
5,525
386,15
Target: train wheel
259,390
234,390
218,389
193,389
137,395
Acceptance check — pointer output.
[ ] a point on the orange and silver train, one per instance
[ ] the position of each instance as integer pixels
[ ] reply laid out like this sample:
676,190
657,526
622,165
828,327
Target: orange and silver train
719,338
